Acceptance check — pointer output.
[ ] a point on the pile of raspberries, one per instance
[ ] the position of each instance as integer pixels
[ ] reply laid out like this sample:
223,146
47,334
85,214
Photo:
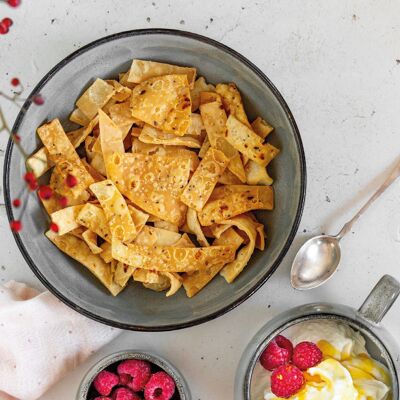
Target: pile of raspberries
287,364
132,380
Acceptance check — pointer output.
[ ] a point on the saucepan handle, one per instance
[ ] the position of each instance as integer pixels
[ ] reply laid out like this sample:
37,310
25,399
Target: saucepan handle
381,298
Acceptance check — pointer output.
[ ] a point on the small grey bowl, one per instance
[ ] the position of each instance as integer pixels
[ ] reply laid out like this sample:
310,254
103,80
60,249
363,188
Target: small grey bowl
181,385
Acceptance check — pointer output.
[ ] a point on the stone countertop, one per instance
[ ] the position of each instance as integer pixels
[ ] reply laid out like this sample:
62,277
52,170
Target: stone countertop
337,64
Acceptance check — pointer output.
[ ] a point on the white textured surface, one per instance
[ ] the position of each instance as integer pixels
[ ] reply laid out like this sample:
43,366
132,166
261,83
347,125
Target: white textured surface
337,63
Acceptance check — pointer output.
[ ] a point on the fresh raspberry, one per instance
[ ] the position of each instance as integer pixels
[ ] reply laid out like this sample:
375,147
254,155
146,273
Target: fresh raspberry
45,192
278,352
71,181
160,387
306,355
134,374
286,381
104,382
124,394
102,398
30,179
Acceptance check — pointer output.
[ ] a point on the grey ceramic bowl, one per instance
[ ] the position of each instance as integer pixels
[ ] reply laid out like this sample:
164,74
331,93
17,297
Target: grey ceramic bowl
181,386
137,308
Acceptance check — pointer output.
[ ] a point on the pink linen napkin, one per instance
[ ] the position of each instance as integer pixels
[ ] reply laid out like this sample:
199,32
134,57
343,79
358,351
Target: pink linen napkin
41,340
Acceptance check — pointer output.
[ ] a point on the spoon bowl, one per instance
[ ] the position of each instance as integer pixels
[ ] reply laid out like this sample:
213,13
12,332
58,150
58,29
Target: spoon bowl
315,262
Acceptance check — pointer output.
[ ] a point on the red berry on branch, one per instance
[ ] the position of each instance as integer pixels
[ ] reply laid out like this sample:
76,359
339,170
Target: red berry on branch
3,28
63,201
16,203
7,22
13,3
17,138
54,227
45,192
71,181
38,99
30,179
15,81
16,225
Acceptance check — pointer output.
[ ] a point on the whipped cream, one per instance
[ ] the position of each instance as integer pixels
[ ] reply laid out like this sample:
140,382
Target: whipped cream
346,372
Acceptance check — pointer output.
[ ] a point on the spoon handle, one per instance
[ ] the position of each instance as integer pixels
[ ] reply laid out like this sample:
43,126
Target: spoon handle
394,174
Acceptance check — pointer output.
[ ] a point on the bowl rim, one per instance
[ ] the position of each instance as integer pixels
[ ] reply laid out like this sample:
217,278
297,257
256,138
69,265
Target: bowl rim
185,34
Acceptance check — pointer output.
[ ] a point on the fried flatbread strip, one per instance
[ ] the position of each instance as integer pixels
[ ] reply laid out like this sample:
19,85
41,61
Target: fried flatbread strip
155,136
122,274
154,183
116,210
79,117
210,97
166,225
197,280
90,239
40,162
93,218
79,251
122,92
142,70
171,259
249,143
139,217
150,236
204,147
231,200
194,226
121,114
232,101
96,175
160,150
66,219
111,145
257,174
261,127
234,268
62,152
184,241
228,178
151,279
123,80
95,97
106,252
164,103
200,85
214,119
204,179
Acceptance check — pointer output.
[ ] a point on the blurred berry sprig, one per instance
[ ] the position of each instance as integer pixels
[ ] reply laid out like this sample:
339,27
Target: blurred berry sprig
7,22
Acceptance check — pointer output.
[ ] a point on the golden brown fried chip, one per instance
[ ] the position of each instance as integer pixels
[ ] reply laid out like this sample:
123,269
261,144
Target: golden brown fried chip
204,147
122,92
142,70
154,183
171,259
122,274
154,136
234,268
106,252
66,219
62,152
261,127
79,117
204,179
257,174
90,238
79,251
200,85
116,210
151,235
214,119
197,280
249,143
94,98
232,101
164,103
194,226
231,200
228,178
93,218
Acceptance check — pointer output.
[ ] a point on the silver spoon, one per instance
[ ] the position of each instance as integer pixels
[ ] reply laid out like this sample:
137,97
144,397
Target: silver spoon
319,257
